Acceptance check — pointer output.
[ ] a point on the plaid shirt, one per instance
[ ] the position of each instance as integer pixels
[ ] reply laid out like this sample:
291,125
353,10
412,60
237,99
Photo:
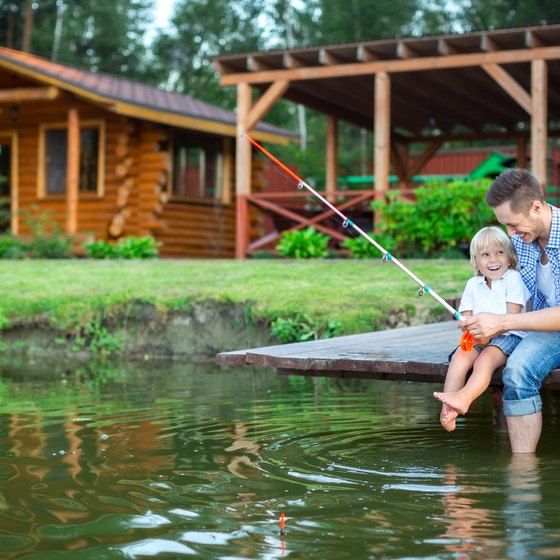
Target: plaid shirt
529,255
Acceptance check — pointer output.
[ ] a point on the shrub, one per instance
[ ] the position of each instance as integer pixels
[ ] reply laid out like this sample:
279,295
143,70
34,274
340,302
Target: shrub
138,247
127,248
302,328
444,217
304,244
361,248
47,239
12,248
51,247
101,249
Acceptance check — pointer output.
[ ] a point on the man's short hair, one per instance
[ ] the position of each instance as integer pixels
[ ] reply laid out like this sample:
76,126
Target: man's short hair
517,186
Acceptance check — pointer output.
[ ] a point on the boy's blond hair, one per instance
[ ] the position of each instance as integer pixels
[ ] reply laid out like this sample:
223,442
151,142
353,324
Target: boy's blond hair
487,237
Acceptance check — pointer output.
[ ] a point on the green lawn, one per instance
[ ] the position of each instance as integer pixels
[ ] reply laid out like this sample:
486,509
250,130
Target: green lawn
357,294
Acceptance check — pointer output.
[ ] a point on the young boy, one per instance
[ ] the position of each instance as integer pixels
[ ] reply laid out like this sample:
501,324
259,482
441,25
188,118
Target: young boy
497,287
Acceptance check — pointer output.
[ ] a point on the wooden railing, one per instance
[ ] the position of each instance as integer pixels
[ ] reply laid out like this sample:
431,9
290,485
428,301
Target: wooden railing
288,212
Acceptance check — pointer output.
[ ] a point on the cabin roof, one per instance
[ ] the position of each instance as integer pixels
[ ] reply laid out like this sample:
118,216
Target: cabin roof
131,97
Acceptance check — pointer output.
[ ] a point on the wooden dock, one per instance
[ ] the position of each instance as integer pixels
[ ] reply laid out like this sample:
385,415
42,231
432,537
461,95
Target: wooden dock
418,353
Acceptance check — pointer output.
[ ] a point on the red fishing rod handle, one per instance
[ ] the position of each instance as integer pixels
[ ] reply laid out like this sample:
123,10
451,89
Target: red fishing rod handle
467,342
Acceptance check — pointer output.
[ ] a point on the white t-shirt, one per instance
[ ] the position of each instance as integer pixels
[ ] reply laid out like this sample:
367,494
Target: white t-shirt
545,283
478,297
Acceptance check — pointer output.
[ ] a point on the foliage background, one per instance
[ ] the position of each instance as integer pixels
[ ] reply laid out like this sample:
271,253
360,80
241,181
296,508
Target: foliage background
119,37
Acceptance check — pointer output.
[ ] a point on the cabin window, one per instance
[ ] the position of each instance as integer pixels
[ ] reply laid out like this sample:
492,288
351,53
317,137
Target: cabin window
197,168
53,153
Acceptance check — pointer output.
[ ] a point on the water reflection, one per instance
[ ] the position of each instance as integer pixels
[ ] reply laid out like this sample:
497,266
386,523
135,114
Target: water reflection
523,507
470,526
169,460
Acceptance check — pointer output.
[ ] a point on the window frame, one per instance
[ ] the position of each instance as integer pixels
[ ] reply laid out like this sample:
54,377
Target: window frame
42,172
189,140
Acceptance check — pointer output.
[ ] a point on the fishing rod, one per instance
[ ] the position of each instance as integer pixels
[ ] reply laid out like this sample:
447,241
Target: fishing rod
467,341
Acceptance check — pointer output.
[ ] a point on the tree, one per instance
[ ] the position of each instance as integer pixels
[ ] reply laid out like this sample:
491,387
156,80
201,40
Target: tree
475,15
101,36
203,28
359,20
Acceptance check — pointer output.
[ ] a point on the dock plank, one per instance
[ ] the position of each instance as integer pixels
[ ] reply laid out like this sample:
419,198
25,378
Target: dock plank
379,352
418,353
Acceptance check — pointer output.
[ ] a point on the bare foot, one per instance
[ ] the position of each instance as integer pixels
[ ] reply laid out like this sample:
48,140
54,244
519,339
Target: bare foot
447,417
457,400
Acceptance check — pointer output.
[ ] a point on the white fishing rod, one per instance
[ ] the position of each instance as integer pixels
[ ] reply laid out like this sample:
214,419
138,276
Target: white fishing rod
466,339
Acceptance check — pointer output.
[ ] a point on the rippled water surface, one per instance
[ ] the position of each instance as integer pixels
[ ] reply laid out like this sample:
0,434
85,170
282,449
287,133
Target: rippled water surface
176,460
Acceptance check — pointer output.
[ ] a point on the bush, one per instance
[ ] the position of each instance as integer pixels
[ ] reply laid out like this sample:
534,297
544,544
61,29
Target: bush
304,244
12,248
443,218
101,249
127,248
361,248
301,328
51,247
47,239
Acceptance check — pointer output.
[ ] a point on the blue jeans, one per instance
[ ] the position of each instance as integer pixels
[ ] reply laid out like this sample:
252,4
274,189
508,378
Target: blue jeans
533,359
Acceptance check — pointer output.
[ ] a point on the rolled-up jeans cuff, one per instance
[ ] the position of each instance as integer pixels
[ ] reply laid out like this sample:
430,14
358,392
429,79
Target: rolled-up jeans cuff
522,407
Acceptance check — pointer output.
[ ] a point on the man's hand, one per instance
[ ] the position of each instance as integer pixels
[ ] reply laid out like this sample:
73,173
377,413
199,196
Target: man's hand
484,326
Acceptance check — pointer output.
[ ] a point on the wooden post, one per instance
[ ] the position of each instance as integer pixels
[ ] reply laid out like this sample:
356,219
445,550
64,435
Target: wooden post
14,184
539,116
72,171
332,157
228,168
521,154
382,131
242,171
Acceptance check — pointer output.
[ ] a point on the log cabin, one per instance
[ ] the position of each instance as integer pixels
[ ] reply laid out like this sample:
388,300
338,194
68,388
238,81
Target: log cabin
109,157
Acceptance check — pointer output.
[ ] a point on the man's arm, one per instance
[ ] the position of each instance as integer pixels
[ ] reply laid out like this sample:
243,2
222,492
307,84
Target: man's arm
487,325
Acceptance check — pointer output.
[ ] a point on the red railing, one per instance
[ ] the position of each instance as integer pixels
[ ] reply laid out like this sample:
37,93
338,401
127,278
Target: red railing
291,211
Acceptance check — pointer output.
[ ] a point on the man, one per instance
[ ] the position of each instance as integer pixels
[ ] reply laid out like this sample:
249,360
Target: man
534,227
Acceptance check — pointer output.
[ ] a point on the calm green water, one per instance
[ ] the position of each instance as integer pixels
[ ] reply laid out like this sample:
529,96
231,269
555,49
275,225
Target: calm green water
172,461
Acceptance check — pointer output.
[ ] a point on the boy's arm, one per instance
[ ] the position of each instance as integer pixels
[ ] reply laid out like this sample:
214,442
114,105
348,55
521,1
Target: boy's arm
513,307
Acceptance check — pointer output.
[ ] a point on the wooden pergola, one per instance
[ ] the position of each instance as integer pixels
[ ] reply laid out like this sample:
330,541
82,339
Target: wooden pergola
483,85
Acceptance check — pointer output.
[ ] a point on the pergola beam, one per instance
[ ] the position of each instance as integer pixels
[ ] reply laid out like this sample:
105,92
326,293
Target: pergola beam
509,85
394,66
421,160
264,104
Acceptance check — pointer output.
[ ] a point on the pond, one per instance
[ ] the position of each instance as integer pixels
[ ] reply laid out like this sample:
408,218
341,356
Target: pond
168,460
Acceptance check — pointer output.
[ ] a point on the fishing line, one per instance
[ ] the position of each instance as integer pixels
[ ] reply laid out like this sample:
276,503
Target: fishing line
467,341
314,209
306,201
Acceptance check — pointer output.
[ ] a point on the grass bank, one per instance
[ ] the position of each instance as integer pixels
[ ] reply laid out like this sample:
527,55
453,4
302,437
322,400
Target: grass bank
358,295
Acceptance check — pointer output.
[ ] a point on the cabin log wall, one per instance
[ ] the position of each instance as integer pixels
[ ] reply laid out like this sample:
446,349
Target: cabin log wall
135,198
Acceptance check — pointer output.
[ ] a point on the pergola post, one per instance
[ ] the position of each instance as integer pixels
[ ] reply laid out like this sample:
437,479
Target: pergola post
72,171
332,157
521,153
539,115
382,131
242,171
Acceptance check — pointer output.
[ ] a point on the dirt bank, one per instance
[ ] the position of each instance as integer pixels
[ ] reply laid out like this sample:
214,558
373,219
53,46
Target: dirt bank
141,331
